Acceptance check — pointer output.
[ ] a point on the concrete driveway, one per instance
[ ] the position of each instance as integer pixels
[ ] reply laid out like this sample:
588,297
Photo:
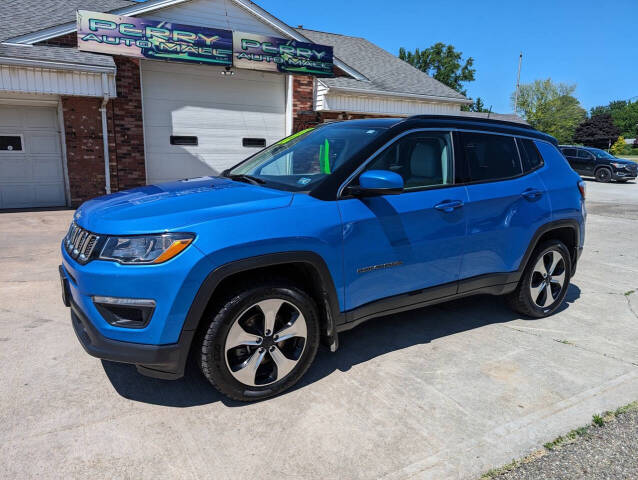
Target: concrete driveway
443,392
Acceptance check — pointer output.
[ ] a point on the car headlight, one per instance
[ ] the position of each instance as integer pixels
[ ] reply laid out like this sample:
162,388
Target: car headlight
145,249
618,165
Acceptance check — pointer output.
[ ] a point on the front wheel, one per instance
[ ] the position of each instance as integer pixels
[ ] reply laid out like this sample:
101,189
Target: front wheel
545,281
603,175
261,341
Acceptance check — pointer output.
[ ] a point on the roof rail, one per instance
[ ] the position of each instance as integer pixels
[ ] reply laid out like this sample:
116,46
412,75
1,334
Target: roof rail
471,119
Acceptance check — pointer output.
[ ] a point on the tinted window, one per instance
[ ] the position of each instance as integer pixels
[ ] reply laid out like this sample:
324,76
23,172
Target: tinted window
11,143
584,154
422,159
529,155
490,157
569,152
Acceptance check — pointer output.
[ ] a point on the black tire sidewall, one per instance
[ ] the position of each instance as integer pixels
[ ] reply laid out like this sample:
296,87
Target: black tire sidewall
216,369
606,179
542,250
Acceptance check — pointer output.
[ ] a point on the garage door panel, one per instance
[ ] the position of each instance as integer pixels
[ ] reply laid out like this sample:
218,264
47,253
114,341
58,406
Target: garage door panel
34,176
47,168
49,194
15,167
36,143
12,117
41,118
219,110
226,92
207,115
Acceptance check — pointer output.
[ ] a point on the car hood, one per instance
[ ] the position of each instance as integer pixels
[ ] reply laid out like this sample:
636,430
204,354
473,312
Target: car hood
625,161
176,205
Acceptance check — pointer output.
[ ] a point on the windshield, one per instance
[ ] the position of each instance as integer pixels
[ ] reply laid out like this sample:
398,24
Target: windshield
301,161
601,153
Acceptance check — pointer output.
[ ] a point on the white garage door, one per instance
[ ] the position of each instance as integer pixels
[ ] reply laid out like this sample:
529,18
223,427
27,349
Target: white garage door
209,116
31,172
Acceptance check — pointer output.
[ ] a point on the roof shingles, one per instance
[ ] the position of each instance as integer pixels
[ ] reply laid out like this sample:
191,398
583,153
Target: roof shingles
21,17
385,72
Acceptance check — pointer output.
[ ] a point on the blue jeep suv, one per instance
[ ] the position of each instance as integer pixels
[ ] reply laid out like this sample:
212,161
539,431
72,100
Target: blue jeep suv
248,272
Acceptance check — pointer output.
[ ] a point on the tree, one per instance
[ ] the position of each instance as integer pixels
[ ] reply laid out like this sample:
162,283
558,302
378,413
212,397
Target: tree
444,63
624,114
550,107
477,106
598,131
618,148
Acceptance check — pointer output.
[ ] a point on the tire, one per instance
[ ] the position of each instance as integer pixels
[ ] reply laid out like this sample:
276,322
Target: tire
268,368
531,295
603,175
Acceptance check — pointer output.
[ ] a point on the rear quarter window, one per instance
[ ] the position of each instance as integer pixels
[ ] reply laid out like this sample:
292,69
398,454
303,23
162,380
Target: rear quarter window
530,158
490,157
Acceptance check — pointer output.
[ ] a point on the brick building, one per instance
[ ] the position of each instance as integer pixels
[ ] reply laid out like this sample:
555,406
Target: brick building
64,111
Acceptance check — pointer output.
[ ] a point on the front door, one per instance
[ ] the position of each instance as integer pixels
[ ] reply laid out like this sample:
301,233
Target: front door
395,244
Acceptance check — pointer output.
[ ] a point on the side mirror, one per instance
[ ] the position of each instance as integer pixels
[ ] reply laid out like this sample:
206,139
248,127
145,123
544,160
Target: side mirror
378,182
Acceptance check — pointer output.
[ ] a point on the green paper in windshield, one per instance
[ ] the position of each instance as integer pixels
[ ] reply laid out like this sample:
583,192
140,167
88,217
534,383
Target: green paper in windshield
292,137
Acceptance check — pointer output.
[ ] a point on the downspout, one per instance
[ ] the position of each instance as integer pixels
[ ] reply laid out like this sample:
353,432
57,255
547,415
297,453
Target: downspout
105,133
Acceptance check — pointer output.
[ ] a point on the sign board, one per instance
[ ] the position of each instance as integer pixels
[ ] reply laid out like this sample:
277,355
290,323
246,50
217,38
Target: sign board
259,52
154,39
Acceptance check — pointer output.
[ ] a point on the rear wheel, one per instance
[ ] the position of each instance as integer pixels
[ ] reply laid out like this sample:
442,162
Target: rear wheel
603,175
545,281
260,342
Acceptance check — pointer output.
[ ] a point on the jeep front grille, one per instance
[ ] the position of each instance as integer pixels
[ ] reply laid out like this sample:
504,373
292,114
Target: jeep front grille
80,243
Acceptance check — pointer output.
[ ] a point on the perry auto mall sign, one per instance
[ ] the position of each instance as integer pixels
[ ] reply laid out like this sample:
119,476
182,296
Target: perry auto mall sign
159,40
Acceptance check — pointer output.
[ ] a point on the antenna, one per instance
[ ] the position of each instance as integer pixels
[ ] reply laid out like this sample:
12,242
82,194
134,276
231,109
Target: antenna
518,82
489,112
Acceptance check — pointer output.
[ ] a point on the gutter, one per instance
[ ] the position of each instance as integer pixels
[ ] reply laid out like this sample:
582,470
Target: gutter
105,134
25,62
384,93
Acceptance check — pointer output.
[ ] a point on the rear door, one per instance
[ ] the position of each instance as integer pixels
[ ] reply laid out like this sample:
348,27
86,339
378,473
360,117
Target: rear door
586,162
507,201
571,154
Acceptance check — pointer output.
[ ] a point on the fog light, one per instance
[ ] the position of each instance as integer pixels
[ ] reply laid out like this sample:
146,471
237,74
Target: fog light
125,312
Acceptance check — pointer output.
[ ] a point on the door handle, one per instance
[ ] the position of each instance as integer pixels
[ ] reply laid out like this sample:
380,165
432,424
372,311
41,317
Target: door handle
448,206
532,193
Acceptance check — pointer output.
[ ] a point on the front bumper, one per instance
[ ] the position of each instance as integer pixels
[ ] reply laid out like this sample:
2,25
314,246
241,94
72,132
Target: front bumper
159,361
623,174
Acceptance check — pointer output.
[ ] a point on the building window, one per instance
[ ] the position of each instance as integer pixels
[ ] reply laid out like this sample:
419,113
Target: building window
184,140
10,143
254,142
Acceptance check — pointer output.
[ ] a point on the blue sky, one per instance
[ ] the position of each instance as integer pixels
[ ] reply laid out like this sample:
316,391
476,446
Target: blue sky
593,44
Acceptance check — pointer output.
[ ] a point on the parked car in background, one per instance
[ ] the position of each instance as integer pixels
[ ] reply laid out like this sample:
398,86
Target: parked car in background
597,163
315,235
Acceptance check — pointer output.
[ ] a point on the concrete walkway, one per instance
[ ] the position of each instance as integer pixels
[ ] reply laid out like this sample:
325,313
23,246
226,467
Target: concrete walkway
444,392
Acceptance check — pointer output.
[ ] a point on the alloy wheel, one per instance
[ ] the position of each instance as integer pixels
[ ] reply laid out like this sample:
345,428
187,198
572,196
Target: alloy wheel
265,342
548,279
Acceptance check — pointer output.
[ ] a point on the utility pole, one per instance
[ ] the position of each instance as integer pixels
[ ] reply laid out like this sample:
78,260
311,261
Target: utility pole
518,82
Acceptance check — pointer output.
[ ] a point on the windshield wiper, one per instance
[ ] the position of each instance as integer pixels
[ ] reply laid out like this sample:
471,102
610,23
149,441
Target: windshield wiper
246,179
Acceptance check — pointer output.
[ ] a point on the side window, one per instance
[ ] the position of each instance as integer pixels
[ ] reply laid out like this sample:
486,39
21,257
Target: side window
529,154
422,159
490,157
584,154
569,152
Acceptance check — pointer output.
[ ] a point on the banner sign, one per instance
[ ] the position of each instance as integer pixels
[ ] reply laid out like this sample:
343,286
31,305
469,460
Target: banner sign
155,39
259,52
